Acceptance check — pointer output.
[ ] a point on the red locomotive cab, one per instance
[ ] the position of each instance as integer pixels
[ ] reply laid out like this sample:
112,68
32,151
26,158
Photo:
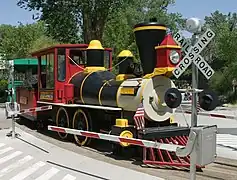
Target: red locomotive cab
62,63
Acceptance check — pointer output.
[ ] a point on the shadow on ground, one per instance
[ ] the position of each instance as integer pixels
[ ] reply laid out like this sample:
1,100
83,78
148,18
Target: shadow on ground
97,146
133,154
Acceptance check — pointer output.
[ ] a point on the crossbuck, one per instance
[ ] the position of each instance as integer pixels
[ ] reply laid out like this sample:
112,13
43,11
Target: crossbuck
192,54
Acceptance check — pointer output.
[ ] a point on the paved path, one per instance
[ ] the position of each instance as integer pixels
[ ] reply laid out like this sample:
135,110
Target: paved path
28,157
227,146
3,122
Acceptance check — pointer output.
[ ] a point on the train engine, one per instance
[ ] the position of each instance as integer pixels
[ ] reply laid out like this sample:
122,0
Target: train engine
103,92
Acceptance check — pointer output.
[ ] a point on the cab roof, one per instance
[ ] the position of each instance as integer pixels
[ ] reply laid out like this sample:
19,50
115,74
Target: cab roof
52,48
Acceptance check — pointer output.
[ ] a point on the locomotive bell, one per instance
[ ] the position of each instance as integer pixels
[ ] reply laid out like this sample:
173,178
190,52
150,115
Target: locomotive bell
208,100
173,98
126,65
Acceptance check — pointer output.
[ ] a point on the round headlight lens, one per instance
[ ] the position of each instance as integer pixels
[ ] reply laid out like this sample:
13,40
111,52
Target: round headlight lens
174,57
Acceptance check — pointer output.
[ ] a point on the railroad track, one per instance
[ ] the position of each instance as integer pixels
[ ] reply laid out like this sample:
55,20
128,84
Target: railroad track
221,169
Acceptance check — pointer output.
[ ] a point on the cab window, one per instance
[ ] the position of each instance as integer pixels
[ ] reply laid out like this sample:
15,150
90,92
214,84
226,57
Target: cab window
77,56
47,71
50,71
61,64
43,71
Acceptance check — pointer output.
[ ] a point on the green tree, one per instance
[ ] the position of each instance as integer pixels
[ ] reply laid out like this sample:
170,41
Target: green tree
118,32
67,20
222,54
110,21
3,87
19,41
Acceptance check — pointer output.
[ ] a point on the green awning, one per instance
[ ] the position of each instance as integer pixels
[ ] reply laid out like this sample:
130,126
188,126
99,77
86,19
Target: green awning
28,61
21,65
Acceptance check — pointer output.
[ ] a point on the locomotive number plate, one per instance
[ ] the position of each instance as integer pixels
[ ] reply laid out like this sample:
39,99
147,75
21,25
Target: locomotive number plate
46,95
127,91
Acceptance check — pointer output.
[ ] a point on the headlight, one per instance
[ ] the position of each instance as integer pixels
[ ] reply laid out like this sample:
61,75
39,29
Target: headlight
174,57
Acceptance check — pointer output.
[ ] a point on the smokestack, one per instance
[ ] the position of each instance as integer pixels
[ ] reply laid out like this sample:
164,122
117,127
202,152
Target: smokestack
148,35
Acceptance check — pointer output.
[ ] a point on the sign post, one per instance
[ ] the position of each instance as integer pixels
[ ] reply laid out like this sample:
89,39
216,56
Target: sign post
192,56
11,93
193,155
194,86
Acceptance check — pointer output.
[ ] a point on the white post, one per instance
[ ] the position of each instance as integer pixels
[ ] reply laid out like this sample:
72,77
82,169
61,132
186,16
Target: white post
194,26
12,100
193,154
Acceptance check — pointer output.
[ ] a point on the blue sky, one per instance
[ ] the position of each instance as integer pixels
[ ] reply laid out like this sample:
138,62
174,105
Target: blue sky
11,14
202,8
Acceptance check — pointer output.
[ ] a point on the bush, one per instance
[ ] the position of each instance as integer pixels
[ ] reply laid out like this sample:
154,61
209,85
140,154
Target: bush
231,97
223,99
3,87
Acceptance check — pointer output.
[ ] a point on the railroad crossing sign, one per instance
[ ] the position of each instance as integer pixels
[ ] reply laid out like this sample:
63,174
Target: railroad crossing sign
192,54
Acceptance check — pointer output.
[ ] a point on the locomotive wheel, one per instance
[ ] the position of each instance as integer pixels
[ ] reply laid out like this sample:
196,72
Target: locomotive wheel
122,148
62,120
81,121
